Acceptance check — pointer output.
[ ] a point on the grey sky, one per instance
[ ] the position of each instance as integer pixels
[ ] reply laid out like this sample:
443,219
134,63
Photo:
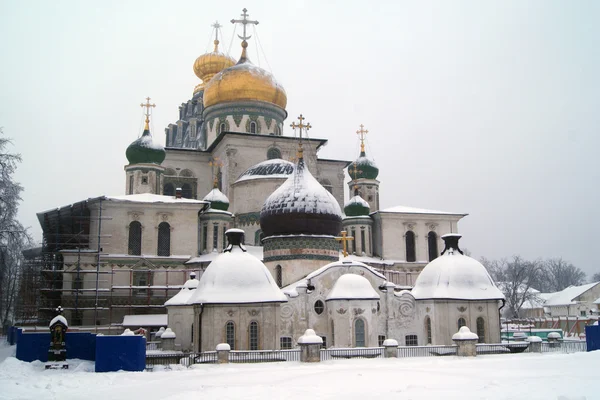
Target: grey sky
489,108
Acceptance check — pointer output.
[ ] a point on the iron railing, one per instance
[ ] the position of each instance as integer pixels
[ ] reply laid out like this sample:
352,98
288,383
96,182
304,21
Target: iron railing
564,347
426,351
255,356
357,352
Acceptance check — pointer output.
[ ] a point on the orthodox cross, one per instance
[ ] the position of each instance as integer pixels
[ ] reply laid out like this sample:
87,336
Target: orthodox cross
244,21
215,163
300,126
353,172
147,113
362,132
216,25
344,239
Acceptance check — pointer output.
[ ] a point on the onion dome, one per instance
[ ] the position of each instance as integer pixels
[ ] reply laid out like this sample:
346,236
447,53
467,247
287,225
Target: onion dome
455,276
235,276
363,168
275,168
218,201
144,150
208,65
352,286
356,206
244,82
301,206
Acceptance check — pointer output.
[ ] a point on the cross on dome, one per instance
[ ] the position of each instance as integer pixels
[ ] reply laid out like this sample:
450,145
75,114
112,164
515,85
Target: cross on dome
217,26
353,172
244,21
215,163
300,126
147,113
344,239
362,132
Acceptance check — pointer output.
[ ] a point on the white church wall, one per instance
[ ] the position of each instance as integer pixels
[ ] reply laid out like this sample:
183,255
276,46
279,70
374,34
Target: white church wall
446,314
181,320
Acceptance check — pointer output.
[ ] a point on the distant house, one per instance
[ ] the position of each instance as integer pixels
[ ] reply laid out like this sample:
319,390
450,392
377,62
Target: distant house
574,301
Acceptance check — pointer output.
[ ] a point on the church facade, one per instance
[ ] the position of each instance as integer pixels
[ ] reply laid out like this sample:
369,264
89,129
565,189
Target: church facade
228,164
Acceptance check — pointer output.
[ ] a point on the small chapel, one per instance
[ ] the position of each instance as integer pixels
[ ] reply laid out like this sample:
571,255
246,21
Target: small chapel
237,232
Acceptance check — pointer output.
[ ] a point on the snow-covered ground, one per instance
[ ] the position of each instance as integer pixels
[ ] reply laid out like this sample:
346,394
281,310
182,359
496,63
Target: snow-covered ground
516,376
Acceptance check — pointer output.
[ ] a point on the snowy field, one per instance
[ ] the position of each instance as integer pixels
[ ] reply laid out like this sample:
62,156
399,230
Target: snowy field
513,376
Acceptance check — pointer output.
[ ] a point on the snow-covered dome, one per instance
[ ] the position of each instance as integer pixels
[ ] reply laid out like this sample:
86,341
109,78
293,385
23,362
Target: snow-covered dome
275,168
352,287
455,276
301,205
363,167
235,277
185,293
218,201
356,206
144,150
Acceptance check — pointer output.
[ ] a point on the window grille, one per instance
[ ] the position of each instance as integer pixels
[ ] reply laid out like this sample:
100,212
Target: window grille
432,244
481,329
164,239
380,340
204,237
135,239
253,335
428,330
279,275
411,340
230,334
285,343
252,127
273,153
324,344
215,237
319,307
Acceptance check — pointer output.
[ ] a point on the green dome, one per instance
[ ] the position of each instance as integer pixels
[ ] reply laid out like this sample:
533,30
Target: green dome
218,201
366,169
356,207
145,151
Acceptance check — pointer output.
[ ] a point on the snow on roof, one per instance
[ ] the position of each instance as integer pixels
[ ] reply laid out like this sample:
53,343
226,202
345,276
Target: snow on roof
412,210
145,320
57,319
153,198
146,141
464,333
597,301
455,276
256,251
236,277
184,294
568,295
359,200
352,286
216,195
275,168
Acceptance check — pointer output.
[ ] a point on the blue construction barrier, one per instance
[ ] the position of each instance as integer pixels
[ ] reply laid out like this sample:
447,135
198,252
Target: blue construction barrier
34,346
592,337
114,353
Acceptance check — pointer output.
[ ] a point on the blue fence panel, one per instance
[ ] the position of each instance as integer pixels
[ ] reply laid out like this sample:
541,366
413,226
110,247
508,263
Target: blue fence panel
592,337
81,345
33,346
114,353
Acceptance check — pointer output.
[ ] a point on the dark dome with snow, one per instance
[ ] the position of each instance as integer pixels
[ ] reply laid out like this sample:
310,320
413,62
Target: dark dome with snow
455,276
301,206
365,168
218,201
275,168
356,206
145,151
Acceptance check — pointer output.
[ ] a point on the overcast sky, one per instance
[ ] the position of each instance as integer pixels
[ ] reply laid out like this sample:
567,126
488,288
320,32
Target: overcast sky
488,108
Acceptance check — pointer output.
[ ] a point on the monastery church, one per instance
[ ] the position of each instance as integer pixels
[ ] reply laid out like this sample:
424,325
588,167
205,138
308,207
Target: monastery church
236,232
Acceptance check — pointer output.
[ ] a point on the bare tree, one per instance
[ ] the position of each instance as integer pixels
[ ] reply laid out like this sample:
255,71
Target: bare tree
13,237
516,278
596,277
559,275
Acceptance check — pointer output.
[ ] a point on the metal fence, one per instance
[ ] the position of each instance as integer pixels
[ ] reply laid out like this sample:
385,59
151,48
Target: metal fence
359,352
155,345
254,356
426,351
564,347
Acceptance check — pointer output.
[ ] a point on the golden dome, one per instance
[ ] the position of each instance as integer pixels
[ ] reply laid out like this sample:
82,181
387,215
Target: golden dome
244,82
208,65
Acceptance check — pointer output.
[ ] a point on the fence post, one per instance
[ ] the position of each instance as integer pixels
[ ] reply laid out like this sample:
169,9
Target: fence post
167,340
390,348
223,350
466,342
310,346
535,344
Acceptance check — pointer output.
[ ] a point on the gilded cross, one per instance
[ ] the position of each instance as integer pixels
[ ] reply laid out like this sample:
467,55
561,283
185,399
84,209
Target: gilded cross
362,132
244,21
147,113
217,26
344,239
353,172
215,163
301,126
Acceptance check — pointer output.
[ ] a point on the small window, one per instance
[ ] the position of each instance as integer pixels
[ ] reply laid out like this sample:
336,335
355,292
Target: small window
144,180
380,340
319,307
164,239
411,340
332,333
204,236
273,153
186,191
461,322
135,239
481,329
230,334
409,238
253,335
130,184
222,128
279,275
215,237
169,190
359,333
285,343
324,344
583,313
252,127
369,198
428,329
432,244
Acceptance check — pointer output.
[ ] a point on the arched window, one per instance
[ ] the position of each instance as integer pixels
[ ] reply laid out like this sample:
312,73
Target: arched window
258,235
432,245
252,127
353,234
135,239
279,275
410,246
253,335
332,333
359,333
273,153
461,322
481,329
222,128
428,329
164,239
230,334
186,191
277,130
